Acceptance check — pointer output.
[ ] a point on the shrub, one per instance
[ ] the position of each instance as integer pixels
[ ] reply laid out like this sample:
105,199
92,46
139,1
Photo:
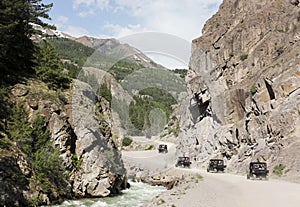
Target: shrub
280,30
150,147
231,54
5,143
278,169
105,93
199,176
253,89
243,57
126,141
76,162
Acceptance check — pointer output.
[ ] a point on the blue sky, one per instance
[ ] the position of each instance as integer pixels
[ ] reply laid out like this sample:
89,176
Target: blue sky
120,18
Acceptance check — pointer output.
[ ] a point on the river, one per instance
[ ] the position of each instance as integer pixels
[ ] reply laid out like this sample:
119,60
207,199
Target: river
138,194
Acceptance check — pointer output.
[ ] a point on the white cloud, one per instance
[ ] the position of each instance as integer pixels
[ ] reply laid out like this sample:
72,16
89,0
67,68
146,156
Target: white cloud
77,3
118,31
86,8
183,18
62,19
103,4
86,13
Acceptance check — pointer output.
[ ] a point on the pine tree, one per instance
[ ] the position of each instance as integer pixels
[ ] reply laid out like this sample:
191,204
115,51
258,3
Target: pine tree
19,129
46,161
16,28
40,134
50,69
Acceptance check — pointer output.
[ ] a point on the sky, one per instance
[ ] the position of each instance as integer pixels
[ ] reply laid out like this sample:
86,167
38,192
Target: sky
120,18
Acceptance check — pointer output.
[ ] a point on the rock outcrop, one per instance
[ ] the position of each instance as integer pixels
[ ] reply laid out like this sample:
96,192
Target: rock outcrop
101,172
80,126
244,86
14,171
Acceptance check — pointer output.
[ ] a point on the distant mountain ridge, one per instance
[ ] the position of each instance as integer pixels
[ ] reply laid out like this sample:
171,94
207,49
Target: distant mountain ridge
105,45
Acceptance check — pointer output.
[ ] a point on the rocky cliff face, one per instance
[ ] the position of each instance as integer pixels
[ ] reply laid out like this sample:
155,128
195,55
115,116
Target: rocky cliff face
243,82
102,171
80,126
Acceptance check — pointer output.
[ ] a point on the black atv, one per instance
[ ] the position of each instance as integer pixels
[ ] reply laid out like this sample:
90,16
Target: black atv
258,170
183,162
216,165
162,148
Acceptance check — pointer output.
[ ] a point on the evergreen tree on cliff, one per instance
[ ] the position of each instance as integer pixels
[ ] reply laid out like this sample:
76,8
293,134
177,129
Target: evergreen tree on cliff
16,29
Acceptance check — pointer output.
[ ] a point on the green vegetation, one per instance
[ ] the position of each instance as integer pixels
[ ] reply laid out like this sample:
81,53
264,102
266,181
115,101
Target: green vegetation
50,68
243,57
72,50
181,72
147,100
4,107
197,178
101,90
105,93
76,162
19,129
280,30
34,141
231,54
150,147
72,69
16,26
21,59
5,143
43,93
82,55
123,68
126,141
120,70
278,169
253,89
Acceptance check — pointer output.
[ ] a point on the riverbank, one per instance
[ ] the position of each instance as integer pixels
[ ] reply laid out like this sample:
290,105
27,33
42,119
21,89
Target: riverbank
137,195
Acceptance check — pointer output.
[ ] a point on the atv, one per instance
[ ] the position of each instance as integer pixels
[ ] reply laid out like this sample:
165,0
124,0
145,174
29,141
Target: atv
183,162
216,165
162,148
258,170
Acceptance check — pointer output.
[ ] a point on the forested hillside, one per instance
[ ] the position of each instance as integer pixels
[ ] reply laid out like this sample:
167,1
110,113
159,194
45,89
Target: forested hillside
145,101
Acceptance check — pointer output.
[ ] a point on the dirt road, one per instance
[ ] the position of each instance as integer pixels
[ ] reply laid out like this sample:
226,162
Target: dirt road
151,159
216,190
226,190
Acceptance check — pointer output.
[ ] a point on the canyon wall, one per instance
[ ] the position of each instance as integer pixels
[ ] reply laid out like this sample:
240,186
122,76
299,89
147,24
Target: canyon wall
243,84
